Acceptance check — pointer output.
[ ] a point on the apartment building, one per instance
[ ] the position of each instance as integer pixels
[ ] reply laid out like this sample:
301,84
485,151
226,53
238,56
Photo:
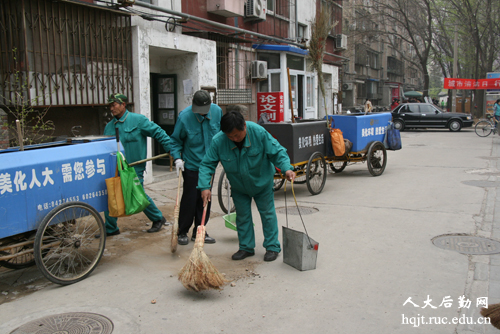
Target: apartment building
379,66
71,55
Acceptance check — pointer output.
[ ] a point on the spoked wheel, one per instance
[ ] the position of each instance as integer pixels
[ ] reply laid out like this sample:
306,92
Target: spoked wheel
338,166
224,193
316,173
303,177
23,245
484,128
376,158
278,183
66,250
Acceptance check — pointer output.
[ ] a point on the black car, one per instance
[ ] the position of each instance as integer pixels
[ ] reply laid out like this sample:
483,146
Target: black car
426,115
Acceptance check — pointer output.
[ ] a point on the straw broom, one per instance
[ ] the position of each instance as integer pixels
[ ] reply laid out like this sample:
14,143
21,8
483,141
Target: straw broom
175,227
199,273
492,312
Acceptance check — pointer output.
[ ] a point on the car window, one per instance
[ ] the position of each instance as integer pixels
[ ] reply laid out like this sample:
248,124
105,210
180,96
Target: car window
412,108
427,109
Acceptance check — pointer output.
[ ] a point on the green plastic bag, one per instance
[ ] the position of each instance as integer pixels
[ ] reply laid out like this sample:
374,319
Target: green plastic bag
133,193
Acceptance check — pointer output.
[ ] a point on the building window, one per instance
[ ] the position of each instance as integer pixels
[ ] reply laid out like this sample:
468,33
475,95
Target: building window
273,60
302,32
294,62
309,91
272,84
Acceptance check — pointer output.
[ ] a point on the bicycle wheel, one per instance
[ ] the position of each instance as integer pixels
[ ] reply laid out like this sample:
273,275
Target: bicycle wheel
484,128
316,173
66,250
223,192
376,158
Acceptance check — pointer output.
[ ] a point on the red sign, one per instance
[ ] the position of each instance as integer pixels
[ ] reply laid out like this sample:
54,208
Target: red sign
451,83
272,104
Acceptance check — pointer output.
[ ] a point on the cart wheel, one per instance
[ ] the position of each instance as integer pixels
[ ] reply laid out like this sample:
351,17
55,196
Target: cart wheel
338,166
316,173
223,189
278,183
66,250
302,178
22,261
377,158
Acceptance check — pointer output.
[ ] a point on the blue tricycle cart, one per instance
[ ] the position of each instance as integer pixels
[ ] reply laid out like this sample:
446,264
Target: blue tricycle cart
50,199
367,133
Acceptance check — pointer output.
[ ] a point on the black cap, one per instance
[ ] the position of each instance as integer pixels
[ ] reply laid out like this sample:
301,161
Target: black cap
201,102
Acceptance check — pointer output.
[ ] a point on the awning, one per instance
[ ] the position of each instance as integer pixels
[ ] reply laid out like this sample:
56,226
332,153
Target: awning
280,48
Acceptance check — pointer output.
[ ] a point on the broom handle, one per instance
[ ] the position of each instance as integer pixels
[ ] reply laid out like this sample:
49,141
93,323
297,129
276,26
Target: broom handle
148,159
206,206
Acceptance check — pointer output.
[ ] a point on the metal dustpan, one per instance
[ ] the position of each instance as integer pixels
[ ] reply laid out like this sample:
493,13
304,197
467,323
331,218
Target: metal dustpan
299,250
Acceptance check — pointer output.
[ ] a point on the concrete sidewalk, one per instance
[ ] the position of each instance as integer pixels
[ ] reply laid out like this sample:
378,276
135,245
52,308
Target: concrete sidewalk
375,254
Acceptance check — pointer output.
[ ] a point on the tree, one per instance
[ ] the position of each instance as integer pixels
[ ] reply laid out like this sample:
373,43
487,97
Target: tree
34,128
320,27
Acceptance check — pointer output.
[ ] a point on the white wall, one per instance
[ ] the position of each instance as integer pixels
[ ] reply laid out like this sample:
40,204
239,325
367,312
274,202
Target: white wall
156,50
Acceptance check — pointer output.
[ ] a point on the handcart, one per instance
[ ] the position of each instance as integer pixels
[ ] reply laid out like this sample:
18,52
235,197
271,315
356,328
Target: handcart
366,132
50,199
305,143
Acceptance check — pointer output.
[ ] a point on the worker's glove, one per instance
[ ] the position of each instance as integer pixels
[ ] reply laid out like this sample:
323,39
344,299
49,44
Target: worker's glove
179,165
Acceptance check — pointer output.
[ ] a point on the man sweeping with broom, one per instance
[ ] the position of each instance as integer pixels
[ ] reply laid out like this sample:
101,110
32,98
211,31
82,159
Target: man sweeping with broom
249,155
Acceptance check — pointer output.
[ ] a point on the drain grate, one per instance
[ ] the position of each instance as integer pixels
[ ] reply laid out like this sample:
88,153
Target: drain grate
76,322
304,210
467,244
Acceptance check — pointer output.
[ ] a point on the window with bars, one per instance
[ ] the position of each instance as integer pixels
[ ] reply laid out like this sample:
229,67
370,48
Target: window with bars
66,53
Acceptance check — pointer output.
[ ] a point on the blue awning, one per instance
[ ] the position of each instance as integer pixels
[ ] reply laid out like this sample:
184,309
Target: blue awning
280,48
370,79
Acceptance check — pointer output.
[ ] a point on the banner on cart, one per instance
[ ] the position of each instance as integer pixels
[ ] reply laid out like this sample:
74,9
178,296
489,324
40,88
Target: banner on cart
272,104
34,182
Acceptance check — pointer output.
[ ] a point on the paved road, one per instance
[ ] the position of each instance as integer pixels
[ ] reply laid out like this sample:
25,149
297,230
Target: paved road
375,254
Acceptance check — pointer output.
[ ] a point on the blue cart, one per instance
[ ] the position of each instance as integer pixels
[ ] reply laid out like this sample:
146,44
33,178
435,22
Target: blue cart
366,132
50,199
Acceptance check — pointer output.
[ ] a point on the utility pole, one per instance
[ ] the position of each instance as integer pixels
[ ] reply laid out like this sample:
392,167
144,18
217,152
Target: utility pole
455,72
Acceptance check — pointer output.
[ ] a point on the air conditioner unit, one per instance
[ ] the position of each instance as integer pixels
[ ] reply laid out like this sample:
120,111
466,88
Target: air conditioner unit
256,9
341,41
259,69
347,86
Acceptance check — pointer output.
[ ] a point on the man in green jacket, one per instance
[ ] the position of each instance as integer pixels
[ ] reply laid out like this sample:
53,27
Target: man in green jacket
134,129
192,137
249,155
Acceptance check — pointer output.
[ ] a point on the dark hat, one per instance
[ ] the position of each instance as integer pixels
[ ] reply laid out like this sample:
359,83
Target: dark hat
201,102
119,98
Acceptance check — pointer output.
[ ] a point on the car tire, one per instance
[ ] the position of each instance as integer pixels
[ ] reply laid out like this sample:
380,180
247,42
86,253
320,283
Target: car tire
399,125
455,125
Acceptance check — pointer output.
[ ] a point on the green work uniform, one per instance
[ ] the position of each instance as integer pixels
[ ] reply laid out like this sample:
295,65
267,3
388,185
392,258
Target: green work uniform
250,171
193,134
134,129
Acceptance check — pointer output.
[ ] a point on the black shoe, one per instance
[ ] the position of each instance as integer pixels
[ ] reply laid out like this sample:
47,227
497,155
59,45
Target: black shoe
97,236
270,256
208,239
241,254
157,225
182,239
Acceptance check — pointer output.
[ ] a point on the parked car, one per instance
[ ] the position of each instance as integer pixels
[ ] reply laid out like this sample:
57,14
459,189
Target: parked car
426,115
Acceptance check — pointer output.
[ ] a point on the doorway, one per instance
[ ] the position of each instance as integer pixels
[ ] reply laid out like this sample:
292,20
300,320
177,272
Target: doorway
164,89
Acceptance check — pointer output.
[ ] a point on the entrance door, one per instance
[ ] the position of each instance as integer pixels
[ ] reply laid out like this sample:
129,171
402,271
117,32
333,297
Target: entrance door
300,104
164,88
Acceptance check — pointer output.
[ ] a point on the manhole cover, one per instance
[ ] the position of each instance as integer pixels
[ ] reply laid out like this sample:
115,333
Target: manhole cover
467,244
304,210
68,323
